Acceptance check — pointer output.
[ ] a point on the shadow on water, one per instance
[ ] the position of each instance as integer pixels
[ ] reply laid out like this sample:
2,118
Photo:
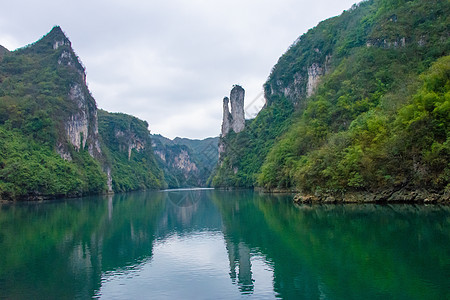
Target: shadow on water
65,248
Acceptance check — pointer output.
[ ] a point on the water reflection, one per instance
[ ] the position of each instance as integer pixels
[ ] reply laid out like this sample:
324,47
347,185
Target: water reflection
62,248
222,244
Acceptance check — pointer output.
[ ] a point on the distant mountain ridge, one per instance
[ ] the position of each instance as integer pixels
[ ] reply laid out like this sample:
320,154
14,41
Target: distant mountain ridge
186,162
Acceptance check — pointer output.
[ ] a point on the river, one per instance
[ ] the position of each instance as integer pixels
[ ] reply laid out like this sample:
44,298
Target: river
209,244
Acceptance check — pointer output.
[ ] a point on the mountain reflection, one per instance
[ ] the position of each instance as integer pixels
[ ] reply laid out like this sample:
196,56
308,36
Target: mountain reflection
70,249
62,248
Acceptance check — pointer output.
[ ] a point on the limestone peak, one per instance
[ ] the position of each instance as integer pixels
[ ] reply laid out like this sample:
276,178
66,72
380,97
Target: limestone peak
57,38
234,120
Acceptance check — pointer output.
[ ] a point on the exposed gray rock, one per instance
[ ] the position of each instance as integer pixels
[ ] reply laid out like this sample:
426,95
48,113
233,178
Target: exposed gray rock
63,152
183,162
77,125
82,126
128,141
59,43
236,118
107,170
303,83
237,108
315,71
94,145
388,43
160,153
227,118
380,196
135,143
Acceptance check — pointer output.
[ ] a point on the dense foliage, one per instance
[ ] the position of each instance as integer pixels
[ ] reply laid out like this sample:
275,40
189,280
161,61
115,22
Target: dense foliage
30,169
383,147
379,116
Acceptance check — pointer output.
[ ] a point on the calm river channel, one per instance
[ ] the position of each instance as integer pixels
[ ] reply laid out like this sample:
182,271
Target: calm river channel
209,244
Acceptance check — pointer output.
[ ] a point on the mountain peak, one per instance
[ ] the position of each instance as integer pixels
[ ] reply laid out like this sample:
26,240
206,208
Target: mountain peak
57,37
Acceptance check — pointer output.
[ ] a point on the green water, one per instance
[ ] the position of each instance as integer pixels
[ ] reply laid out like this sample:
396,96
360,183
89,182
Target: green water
206,244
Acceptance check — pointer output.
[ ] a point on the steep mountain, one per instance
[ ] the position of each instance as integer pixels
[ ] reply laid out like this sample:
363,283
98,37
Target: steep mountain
50,143
359,103
186,162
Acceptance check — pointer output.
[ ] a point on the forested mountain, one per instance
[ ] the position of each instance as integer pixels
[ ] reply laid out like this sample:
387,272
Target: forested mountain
50,144
359,103
186,162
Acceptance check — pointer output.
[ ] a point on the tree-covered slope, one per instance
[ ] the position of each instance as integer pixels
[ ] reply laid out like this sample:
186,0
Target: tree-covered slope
358,84
129,153
50,145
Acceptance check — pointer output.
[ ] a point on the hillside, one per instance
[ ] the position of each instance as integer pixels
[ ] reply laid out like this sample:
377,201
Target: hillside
50,144
128,149
186,162
358,103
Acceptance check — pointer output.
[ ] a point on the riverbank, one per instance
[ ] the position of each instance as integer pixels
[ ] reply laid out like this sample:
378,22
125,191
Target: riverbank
402,195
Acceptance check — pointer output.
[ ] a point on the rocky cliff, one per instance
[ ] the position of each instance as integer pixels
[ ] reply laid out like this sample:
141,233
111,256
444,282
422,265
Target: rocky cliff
79,117
303,82
234,120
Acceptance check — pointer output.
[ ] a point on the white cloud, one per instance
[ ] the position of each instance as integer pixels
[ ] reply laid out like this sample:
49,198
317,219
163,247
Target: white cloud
170,62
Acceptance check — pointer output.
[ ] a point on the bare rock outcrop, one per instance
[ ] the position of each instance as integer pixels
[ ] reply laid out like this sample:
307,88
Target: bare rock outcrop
234,120
315,71
227,119
237,108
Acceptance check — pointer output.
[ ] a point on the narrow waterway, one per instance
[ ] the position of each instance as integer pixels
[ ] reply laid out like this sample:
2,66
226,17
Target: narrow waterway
208,244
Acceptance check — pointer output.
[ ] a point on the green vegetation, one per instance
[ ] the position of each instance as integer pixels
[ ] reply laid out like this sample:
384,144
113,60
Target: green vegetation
379,117
382,147
245,152
127,146
29,170
35,108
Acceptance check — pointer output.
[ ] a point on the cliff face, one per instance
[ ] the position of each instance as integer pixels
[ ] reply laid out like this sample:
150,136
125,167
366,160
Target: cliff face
80,121
303,82
227,119
237,108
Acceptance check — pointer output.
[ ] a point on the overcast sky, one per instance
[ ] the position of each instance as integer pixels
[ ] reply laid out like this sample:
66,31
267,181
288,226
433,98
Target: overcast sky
171,62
